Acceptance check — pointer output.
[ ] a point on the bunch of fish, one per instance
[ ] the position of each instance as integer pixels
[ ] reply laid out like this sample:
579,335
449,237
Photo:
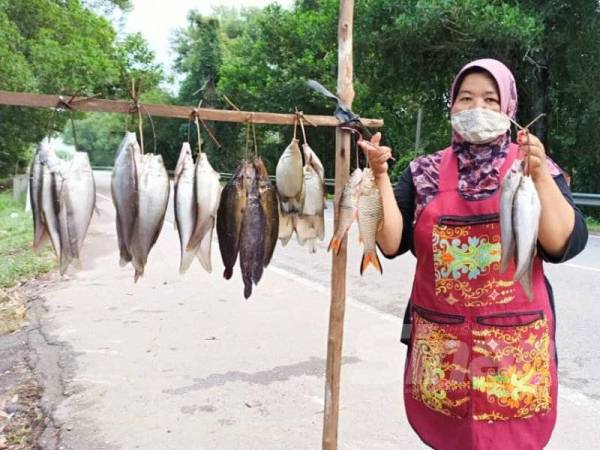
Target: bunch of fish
302,194
63,197
197,194
248,222
520,210
361,201
140,192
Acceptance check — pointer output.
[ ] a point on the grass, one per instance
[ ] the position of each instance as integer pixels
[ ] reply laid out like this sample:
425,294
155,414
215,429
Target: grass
16,235
593,225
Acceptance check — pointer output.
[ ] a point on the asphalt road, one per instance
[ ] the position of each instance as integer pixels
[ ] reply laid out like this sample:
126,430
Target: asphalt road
184,362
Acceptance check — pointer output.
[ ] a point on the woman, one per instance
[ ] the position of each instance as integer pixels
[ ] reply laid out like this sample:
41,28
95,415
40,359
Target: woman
481,367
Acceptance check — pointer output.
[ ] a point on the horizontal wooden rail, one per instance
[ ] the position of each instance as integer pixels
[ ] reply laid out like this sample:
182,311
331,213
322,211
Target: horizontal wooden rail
90,104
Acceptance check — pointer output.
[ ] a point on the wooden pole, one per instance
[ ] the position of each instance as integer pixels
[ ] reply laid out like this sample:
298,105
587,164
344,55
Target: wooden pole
338,269
181,112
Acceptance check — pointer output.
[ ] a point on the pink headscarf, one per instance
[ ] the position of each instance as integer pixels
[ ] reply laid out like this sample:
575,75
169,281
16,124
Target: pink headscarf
507,88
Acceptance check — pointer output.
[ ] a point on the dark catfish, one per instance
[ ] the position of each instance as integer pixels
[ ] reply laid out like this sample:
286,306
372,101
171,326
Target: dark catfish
270,207
252,240
230,216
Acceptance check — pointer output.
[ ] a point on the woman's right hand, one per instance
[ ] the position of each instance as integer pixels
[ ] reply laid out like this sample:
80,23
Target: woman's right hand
376,155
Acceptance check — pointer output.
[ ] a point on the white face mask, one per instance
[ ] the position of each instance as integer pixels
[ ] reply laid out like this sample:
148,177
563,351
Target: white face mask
480,125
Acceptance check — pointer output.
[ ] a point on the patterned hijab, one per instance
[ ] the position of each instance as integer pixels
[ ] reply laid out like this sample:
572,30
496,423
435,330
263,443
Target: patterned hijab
479,164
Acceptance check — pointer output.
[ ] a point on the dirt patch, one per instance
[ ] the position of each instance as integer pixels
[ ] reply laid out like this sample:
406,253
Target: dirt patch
22,419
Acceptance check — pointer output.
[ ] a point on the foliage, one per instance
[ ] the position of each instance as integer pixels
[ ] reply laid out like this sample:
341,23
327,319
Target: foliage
43,49
16,232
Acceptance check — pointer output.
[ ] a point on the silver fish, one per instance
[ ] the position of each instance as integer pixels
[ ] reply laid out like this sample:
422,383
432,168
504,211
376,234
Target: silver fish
347,209
40,232
311,223
526,218
208,195
370,220
509,188
51,184
124,187
153,196
289,178
77,202
185,205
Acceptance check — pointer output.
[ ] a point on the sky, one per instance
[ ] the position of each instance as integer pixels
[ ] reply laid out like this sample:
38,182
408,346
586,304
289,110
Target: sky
157,19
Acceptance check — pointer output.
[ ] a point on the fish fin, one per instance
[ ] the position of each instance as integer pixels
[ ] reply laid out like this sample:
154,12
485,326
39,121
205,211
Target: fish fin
198,234
40,238
370,257
187,257
204,250
247,290
335,244
319,224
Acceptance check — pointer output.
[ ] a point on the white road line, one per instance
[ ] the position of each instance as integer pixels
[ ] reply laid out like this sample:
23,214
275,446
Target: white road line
325,290
577,266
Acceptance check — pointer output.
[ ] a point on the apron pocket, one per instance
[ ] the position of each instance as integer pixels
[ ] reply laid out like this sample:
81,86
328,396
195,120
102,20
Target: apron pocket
510,366
438,375
466,261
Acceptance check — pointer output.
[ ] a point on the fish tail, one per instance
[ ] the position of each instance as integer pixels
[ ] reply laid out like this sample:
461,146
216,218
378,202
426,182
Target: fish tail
186,261
335,244
247,290
138,274
370,257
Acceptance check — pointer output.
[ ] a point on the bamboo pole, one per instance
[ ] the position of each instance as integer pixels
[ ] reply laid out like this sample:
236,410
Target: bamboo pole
338,269
87,104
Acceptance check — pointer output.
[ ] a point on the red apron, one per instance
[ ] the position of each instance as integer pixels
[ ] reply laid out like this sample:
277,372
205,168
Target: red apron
480,371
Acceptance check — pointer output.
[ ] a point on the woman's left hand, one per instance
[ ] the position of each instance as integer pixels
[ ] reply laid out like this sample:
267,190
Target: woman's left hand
535,155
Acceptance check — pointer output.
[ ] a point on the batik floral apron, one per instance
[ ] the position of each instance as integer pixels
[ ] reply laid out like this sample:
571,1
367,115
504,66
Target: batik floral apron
480,371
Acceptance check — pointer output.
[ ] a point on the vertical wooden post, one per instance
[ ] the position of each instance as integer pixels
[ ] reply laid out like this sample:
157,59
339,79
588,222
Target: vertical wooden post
338,270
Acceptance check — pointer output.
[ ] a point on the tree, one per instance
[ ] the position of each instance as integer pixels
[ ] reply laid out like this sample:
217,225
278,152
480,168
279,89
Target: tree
43,49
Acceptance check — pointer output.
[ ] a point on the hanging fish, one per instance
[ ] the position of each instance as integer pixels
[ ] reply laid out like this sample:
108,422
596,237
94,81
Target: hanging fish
124,192
76,205
290,178
252,239
370,220
208,194
347,209
153,196
287,224
508,190
270,206
311,222
40,231
230,216
526,217
51,184
185,205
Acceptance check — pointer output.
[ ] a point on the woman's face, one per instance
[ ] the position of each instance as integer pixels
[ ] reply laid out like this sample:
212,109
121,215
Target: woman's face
478,90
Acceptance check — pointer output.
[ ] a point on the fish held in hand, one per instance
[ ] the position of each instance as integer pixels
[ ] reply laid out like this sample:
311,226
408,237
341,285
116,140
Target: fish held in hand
509,188
370,220
526,216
